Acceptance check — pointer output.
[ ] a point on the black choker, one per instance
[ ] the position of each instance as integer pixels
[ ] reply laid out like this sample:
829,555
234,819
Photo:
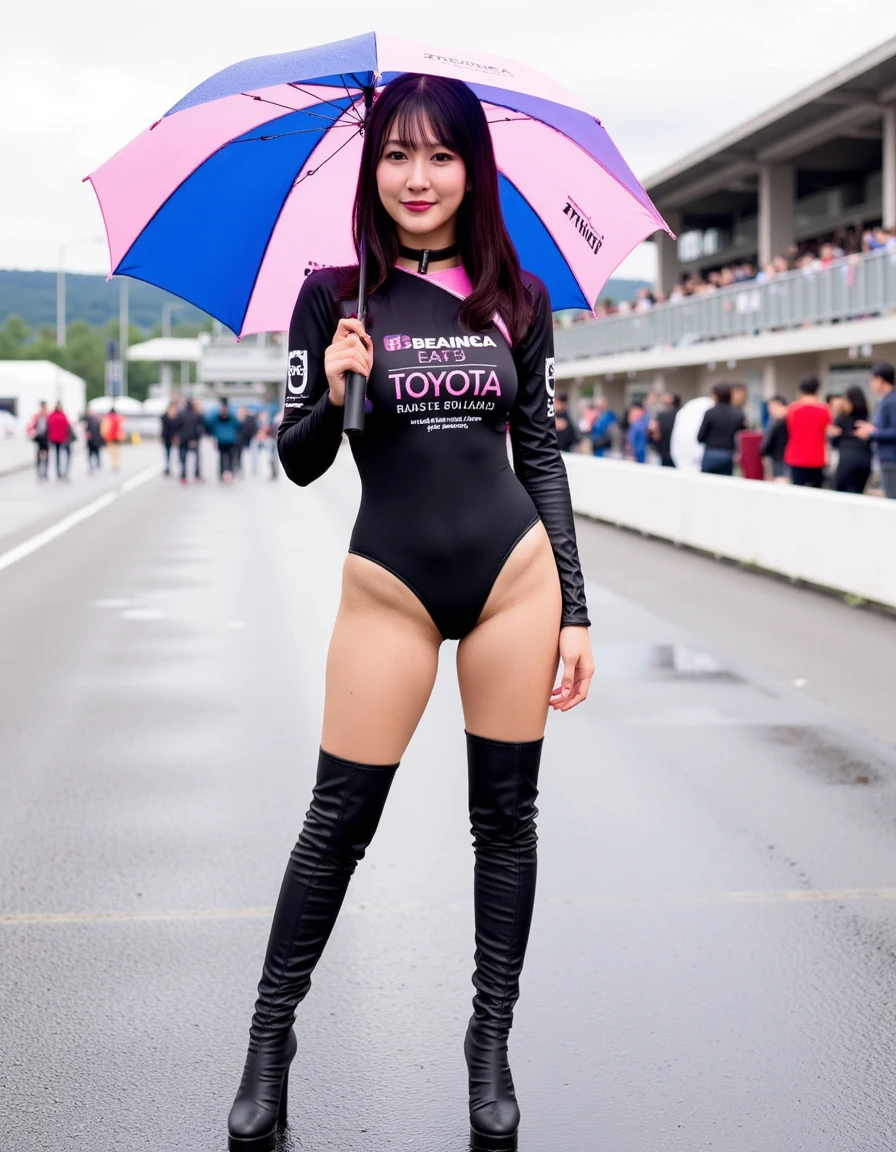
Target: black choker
424,256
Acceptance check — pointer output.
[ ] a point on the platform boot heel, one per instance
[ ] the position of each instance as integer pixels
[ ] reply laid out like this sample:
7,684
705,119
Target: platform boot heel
346,806
503,786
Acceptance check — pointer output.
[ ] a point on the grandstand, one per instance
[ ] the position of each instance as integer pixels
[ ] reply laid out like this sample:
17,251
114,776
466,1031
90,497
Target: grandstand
785,261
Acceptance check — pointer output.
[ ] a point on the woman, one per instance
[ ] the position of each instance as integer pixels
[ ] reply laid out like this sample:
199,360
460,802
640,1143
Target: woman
448,543
854,464
718,432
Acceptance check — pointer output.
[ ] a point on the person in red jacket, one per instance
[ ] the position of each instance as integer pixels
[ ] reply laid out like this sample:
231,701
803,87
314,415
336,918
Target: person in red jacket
58,432
807,423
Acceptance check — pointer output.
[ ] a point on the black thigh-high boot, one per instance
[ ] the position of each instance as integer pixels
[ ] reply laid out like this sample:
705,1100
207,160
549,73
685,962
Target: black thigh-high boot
346,806
503,780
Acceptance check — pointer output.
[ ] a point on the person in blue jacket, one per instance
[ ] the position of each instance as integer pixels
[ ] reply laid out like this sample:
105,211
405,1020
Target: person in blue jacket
225,428
883,431
601,437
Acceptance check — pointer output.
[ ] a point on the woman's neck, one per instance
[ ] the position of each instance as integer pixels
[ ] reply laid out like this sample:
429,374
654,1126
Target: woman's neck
441,238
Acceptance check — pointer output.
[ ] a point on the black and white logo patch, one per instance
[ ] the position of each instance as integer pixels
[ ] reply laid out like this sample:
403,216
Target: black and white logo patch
297,375
549,383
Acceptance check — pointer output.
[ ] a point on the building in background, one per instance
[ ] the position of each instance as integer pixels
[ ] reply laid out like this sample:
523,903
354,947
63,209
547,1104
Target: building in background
247,371
785,261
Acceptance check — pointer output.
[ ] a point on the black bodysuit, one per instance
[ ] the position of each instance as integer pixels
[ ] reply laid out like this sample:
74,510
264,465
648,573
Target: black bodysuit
441,507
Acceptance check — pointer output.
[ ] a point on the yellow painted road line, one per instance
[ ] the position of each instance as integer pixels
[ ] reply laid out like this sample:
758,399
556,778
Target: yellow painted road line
786,896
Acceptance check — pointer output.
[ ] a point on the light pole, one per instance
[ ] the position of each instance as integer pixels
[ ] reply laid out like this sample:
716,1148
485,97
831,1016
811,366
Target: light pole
60,284
123,331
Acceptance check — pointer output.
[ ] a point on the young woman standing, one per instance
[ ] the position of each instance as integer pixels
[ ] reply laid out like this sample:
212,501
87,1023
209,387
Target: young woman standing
449,543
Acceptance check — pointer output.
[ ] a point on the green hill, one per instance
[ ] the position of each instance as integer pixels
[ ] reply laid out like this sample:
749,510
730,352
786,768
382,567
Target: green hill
32,296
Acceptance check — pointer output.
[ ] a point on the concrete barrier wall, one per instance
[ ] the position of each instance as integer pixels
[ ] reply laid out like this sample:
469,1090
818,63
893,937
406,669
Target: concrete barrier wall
836,541
14,454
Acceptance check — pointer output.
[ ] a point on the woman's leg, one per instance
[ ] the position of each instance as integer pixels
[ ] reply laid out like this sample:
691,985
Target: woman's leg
506,669
382,663
380,671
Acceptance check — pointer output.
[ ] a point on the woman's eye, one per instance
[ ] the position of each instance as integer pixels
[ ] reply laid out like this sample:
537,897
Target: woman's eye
443,156
395,155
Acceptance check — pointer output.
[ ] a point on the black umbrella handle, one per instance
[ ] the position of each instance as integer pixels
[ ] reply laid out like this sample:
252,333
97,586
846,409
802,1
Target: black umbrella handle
353,413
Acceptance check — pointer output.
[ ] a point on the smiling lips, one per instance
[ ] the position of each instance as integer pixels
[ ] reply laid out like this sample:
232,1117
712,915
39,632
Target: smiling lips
417,205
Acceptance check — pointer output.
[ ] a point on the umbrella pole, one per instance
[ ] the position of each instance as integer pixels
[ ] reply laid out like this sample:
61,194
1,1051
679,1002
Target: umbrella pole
355,383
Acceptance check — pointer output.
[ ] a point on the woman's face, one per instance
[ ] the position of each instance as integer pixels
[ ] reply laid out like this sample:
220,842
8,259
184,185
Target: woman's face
845,405
422,190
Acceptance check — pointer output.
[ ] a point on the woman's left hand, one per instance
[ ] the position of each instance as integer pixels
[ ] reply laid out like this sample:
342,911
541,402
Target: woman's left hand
578,668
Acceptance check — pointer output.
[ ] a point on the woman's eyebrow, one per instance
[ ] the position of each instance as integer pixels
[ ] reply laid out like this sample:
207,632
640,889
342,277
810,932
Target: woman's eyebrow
427,145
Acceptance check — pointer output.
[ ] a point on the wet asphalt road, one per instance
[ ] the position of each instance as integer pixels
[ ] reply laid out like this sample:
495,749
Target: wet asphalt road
712,959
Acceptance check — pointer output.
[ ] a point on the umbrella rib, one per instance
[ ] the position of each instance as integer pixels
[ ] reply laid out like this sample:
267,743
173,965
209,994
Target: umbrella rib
352,107
314,171
295,132
288,107
305,92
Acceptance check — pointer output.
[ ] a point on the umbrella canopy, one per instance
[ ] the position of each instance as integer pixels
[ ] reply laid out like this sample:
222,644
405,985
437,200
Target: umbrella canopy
247,183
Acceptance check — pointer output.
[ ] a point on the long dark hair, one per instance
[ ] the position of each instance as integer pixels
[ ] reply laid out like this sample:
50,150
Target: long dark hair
857,402
487,252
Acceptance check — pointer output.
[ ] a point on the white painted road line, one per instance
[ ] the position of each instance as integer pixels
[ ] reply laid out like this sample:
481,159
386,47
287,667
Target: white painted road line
7,559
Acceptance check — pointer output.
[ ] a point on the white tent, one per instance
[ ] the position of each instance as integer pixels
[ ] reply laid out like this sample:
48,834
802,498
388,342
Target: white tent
24,383
126,405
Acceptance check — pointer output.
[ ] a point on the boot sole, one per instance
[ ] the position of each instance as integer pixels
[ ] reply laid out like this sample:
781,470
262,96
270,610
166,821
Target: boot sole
480,1142
266,1143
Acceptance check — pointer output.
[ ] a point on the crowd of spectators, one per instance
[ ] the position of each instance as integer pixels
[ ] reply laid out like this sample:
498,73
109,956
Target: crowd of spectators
812,442
807,257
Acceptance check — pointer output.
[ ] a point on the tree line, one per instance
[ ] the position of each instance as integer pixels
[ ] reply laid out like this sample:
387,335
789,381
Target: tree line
85,351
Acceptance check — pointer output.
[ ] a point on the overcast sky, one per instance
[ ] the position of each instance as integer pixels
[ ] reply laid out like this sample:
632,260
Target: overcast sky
79,80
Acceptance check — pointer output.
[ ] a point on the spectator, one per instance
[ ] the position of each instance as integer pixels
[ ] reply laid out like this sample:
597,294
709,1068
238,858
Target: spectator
661,427
58,428
245,440
638,423
189,430
94,440
601,427
774,440
567,433
169,433
718,432
225,429
854,463
38,432
112,431
883,431
807,422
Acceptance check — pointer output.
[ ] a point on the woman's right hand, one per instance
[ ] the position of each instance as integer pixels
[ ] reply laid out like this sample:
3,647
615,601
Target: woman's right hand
350,351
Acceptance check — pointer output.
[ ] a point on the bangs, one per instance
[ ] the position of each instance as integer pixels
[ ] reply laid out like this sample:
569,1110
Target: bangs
422,121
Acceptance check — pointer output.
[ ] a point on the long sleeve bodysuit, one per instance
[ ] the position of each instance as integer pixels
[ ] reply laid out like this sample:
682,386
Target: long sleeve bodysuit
441,507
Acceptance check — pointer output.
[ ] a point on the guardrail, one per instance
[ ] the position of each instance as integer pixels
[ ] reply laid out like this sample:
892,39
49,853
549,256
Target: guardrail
852,287
829,539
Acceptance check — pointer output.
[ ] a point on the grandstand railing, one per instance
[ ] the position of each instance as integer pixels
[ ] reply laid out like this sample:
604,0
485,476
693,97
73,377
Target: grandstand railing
853,287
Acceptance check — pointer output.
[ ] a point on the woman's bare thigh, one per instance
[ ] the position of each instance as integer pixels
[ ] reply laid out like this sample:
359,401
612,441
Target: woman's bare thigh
381,666
507,665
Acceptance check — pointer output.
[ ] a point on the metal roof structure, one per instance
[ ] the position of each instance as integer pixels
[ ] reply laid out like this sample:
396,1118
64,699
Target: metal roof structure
827,127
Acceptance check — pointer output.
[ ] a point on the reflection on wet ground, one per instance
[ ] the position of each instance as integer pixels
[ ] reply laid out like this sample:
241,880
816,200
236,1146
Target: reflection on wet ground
622,660
830,755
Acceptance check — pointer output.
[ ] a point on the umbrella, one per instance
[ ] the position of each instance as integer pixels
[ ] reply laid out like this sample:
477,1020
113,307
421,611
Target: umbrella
246,184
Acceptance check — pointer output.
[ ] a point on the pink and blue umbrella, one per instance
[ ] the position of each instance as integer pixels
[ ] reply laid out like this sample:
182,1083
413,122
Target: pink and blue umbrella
247,183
